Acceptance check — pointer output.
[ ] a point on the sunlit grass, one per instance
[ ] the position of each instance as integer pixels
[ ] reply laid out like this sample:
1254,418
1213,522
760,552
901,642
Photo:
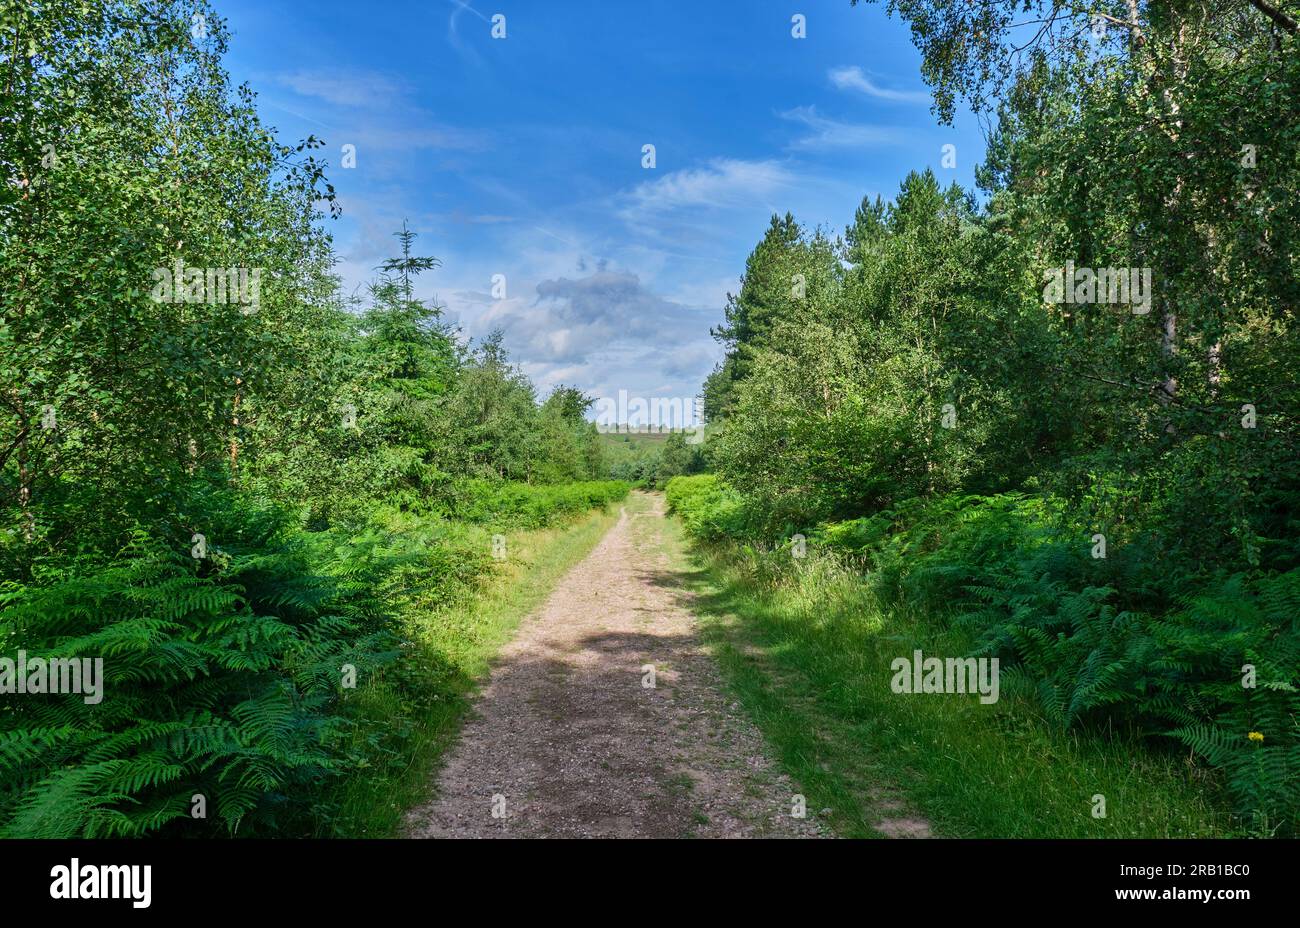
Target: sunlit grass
455,645
808,652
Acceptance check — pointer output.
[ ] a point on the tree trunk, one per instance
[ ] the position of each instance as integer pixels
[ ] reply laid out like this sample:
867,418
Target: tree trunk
234,434
25,492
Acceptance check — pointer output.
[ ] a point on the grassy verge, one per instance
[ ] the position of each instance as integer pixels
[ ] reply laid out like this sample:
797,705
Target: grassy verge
455,643
809,657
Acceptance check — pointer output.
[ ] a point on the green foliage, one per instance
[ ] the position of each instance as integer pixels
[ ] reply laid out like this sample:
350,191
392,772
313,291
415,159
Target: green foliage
520,505
1094,641
221,679
807,645
222,675
929,412
878,383
711,510
632,456
651,459
568,445
348,461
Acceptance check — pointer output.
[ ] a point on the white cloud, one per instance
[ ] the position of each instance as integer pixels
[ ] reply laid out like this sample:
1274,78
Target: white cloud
708,293
832,133
385,118
453,30
343,88
572,316
602,331
853,78
723,184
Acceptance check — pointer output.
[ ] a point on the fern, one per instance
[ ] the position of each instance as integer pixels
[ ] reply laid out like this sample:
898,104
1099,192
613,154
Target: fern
219,681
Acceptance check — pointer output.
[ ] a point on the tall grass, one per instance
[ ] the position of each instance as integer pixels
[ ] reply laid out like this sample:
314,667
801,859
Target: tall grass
807,643
229,675
405,723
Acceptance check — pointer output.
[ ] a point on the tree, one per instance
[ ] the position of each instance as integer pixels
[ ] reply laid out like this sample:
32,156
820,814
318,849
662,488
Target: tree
494,413
788,273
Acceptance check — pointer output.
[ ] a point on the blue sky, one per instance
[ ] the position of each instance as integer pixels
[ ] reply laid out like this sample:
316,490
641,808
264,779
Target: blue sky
522,156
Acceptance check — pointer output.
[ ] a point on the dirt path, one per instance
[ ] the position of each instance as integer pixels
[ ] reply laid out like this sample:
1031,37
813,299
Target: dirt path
568,741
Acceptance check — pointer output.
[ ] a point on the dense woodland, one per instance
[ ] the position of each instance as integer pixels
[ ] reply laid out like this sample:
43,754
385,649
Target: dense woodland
254,510
228,503
1104,494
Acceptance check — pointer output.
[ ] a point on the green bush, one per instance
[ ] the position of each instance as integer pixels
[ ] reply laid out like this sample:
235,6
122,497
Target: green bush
223,674
221,678
1094,640
711,510
523,505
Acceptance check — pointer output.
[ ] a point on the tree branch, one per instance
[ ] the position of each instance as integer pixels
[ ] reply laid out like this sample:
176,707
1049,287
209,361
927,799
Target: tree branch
1273,13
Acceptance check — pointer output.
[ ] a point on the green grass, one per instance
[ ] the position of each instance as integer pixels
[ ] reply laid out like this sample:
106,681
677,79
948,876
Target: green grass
455,644
808,656
632,455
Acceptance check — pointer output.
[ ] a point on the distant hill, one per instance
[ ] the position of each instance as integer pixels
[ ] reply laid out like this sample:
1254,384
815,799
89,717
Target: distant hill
637,435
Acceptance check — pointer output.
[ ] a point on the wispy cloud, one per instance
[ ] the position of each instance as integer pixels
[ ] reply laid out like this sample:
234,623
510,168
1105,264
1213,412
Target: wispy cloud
467,52
831,133
373,111
853,78
355,88
723,183
408,136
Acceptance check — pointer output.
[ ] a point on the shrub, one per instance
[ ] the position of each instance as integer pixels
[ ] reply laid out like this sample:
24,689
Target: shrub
1130,637
221,679
523,505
